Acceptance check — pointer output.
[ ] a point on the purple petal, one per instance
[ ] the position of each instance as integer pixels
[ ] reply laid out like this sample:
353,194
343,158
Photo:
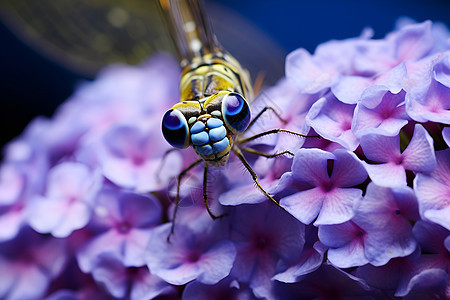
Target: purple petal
149,286
385,215
129,246
306,73
429,103
129,158
387,175
141,211
442,70
387,118
246,194
346,242
310,260
426,281
310,166
332,119
12,221
305,205
67,204
350,255
381,148
446,135
31,284
431,238
350,89
348,170
183,260
419,155
269,237
412,42
11,183
438,216
432,190
337,206
112,274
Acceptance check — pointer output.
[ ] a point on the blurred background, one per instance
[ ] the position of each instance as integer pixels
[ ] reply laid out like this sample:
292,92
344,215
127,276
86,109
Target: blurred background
47,47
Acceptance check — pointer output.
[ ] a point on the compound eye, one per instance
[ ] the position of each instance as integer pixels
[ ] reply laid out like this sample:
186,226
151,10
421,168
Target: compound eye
236,113
175,129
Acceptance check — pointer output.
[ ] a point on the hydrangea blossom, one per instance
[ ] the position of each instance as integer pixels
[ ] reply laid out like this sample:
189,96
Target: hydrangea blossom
86,197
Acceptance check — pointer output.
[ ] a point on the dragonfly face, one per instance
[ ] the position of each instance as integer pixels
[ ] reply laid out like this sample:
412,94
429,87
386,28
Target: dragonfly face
208,124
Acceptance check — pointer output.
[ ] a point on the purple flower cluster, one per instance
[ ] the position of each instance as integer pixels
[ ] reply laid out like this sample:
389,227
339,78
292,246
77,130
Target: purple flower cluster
86,198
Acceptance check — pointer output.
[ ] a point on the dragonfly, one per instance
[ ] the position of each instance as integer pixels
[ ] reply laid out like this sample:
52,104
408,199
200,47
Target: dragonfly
214,108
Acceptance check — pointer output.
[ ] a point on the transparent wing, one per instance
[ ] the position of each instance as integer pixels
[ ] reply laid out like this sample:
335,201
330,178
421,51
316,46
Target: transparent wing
85,35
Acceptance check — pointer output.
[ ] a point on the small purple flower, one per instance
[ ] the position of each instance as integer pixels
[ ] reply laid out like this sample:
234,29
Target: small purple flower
133,283
386,114
313,73
429,104
433,191
309,260
346,244
265,236
68,201
206,257
384,215
332,119
28,264
125,222
418,157
429,101
128,156
322,193
417,275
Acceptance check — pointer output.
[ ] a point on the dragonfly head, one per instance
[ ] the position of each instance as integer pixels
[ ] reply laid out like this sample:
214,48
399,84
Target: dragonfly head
208,124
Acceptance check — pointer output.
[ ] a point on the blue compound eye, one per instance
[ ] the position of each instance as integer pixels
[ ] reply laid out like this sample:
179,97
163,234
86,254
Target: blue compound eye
175,129
236,112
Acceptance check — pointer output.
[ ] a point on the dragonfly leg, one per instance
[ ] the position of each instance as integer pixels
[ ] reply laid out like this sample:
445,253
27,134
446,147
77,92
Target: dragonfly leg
177,196
260,153
261,113
163,160
205,194
277,130
241,157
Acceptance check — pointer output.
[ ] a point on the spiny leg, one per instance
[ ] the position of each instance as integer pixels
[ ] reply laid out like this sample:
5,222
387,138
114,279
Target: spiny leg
177,196
205,194
163,160
260,153
241,157
261,113
277,130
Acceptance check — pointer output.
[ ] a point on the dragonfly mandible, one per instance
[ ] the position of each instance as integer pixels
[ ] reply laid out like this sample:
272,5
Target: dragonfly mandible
214,110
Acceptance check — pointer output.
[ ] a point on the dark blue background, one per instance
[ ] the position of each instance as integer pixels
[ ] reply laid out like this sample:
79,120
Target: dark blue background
31,84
